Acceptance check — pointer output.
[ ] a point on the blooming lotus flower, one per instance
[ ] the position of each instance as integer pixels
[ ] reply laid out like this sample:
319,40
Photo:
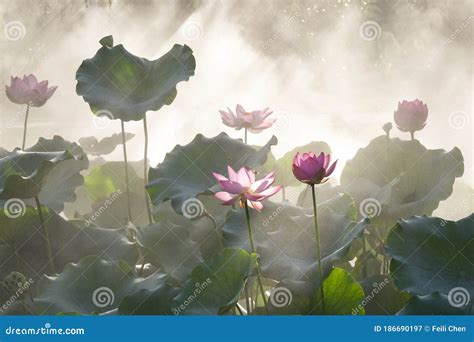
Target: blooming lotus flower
241,186
29,91
255,121
310,169
411,116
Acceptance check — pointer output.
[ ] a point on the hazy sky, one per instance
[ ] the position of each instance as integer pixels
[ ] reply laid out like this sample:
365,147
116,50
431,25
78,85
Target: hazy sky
331,70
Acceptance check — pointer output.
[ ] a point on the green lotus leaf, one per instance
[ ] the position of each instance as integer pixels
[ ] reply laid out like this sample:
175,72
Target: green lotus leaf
215,285
38,170
342,295
434,304
158,301
285,238
91,286
168,245
23,245
381,296
401,178
430,255
187,170
120,85
91,145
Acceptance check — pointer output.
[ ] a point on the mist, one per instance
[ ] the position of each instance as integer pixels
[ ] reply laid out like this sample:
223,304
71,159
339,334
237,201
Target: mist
332,71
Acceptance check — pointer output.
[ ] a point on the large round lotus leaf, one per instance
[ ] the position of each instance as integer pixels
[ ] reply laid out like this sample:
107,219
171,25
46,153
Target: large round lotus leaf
38,170
23,245
342,295
430,254
285,237
91,145
216,284
187,170
93,285
434,304
283,166
403,176
123,86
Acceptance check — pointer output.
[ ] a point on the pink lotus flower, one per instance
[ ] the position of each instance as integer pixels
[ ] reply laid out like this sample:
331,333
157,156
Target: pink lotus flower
241,186
255,121
28,91
411,116
310,169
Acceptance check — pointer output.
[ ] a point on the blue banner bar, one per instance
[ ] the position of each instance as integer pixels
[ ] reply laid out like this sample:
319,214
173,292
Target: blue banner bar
242,329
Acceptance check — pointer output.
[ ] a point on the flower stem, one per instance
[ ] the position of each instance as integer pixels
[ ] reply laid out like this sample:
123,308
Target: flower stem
412,134
318,242
127,187
252,248
245,135
45,231
27,111
247,300
145,170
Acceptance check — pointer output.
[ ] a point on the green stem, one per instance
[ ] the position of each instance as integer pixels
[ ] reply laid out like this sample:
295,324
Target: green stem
245,135
145,170
45,230
247,300
318,242
364,252
25,126
252,248
412,134
127,187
